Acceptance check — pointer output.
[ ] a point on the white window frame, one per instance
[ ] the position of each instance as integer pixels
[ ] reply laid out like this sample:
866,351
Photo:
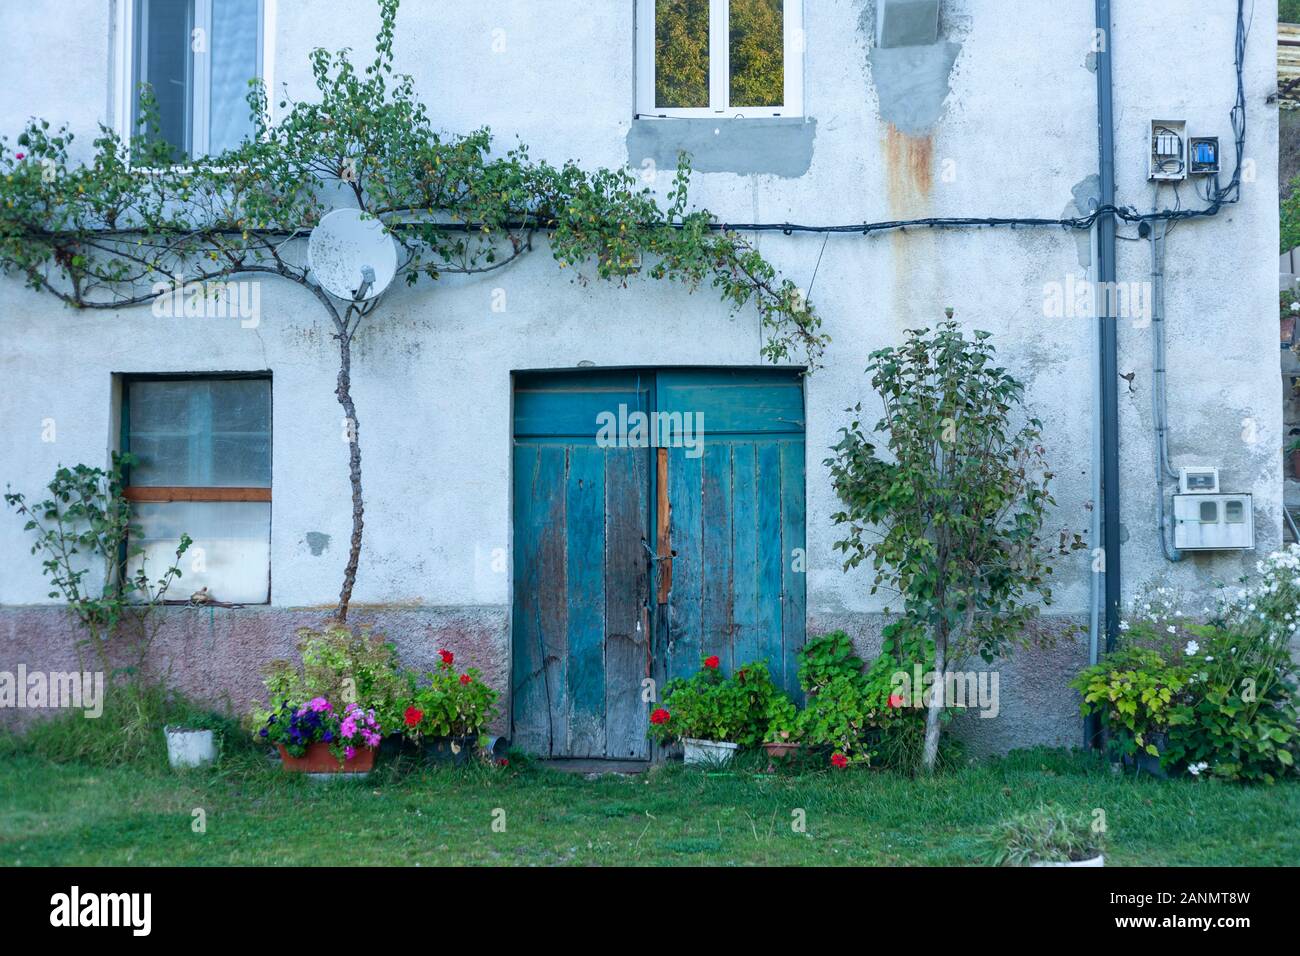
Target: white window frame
125,91
720,65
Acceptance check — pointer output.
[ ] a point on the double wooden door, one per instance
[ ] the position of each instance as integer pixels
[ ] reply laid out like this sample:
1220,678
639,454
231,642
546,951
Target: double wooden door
658,519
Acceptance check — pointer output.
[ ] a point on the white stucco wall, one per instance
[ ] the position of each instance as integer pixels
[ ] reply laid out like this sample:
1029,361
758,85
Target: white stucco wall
431,374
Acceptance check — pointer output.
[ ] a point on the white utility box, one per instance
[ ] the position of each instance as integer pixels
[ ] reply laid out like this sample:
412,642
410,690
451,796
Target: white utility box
1213,522
1198,480
1168,159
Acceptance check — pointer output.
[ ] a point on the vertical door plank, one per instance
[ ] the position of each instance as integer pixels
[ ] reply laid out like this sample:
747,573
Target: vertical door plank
627,593
553,589
794,582
744,553
684,489
716,568
529,702
585,595
770,556
663,528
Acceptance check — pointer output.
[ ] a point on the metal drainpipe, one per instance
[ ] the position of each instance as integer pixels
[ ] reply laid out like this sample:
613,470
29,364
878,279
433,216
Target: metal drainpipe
1108,343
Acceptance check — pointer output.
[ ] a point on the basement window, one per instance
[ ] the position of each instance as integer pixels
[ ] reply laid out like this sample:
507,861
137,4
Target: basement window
203,468
197,57
719,58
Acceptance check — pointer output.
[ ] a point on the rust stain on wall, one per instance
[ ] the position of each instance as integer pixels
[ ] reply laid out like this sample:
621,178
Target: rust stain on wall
909,178
910,168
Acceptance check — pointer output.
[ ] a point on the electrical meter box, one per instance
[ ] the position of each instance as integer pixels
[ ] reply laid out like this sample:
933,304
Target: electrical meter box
1203,155
1168,151
1198,480
1213,522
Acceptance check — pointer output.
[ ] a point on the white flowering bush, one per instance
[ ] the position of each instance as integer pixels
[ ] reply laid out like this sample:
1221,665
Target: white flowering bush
1221,689
1238,717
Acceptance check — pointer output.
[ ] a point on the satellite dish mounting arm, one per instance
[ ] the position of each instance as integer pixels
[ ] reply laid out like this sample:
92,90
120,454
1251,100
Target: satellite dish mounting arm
367,280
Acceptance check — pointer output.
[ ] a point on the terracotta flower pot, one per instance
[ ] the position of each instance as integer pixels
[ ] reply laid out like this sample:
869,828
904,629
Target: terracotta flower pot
780,749
319,759
1294,457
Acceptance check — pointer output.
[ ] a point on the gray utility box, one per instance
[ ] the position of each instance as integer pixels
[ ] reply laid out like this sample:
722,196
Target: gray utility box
906,23
1214,523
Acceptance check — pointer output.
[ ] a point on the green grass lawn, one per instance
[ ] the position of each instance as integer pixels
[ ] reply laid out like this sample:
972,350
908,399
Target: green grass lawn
76,814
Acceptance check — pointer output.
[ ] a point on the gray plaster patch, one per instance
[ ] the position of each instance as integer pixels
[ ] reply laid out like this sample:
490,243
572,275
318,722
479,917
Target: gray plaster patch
778,146
1087,197
912,84
317,542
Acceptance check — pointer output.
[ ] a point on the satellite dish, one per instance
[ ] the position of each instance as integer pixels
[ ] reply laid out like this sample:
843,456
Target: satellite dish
352,255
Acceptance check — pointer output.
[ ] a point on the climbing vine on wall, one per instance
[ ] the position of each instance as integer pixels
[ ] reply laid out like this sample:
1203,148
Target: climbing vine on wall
129,225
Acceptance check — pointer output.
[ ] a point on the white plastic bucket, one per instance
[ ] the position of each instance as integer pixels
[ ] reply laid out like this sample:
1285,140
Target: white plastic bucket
190,748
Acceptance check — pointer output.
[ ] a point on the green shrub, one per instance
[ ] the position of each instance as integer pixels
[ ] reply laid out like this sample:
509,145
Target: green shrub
1223,691
447,704
1136,690
1239,720
708,706
343,667
861,714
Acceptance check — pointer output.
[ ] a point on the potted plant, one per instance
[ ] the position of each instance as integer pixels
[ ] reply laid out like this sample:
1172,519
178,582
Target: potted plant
447,712
318,738
781,740
1136,690
714,716
1048,836
326,712
1293,456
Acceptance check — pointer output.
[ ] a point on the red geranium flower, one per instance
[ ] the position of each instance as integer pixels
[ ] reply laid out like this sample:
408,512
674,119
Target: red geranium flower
503,762
464,678
447,657
712,662
839,760
895,700
660,716
413,716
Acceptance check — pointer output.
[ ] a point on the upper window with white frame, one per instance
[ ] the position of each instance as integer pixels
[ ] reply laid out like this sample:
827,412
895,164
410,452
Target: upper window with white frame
197,57
741,58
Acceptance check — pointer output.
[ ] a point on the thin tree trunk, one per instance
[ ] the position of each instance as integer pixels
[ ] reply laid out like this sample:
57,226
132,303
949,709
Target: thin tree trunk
931,752
344,393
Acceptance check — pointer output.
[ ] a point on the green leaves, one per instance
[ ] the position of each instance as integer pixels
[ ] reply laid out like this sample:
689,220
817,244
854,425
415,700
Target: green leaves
708,706
83,530
950,510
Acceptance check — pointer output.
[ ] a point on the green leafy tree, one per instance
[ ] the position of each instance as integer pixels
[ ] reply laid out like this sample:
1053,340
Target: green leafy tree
949,513
107,234
88,546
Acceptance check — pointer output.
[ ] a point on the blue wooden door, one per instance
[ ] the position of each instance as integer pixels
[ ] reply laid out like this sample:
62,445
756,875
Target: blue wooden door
736,524
632,561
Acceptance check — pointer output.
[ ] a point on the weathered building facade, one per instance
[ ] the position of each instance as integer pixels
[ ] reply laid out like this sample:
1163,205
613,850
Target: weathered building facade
993,116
